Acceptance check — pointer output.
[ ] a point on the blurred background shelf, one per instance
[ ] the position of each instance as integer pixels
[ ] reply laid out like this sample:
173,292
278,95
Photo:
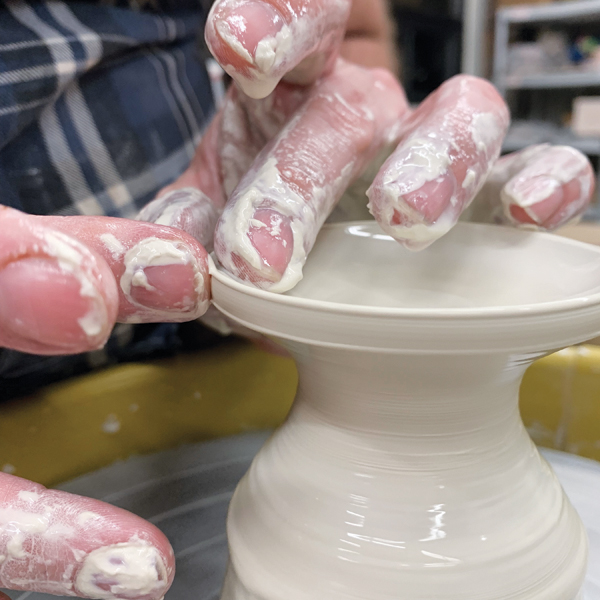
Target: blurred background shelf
552,80
548,12
523,133
561,15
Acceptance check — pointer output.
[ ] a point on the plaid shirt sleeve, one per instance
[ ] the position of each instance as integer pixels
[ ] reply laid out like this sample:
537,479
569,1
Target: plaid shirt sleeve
100,106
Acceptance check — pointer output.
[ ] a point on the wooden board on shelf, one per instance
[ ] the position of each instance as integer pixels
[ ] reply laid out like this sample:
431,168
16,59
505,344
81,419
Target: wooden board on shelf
583,232
502,3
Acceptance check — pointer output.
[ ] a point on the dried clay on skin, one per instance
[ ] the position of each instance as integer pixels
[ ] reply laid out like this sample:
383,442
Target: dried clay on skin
70,257
126,570
152,252
450,144
528,180
539,179
187,209
302,33
287,196
40,530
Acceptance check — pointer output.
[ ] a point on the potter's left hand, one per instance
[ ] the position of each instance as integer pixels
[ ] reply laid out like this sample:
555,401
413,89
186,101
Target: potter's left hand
57,543
284,160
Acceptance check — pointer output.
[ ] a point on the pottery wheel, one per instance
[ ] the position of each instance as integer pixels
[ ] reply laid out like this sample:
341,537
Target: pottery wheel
186,492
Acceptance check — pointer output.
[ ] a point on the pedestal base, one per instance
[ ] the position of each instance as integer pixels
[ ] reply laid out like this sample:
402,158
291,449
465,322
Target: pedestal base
580,479
404,471
405,477
197,529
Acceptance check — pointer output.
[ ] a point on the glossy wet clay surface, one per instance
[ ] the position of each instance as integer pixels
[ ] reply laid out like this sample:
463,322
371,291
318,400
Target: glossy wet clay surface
186,493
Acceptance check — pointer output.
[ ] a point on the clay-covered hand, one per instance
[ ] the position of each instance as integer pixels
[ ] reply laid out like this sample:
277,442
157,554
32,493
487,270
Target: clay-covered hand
284,160
64,281
57,543
542,187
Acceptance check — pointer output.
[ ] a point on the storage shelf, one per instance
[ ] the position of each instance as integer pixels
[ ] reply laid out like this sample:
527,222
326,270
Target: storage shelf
559,13
575,12
589,146
552,80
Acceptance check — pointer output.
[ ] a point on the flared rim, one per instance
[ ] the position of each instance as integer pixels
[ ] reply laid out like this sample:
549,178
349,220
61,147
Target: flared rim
487,312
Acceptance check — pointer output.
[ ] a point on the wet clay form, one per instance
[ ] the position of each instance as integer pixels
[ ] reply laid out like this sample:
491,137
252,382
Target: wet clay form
404,471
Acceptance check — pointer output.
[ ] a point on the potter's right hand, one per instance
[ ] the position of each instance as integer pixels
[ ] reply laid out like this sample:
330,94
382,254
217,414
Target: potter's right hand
286,158
542,187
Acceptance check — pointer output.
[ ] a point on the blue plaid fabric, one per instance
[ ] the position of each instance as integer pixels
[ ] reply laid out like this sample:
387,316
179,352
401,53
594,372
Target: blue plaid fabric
101,105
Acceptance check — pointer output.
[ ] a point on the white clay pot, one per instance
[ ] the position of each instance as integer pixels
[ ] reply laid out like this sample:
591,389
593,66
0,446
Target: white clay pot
404,471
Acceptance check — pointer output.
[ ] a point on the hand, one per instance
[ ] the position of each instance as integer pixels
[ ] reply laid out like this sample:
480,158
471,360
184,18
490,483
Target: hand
88,272
57,543
284,160
64,281
542,187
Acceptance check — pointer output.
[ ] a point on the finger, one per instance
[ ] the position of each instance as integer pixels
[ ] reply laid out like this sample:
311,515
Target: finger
204,172
451,142
56,295
275,213
547,188
58,543
258,42
194,201
249,125
233,140
161,272
187,209
239,131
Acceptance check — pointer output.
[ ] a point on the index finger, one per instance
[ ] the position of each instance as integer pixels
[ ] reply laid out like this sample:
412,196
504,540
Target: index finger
258,42
274,215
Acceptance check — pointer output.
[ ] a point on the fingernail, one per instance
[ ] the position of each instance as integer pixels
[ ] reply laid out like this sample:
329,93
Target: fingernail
433,197
532,201
271,234
252,43
44,303
250,30
520,216
127,570
164,277
169,288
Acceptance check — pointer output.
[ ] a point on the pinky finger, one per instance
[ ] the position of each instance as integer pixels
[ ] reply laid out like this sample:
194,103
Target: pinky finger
548,188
